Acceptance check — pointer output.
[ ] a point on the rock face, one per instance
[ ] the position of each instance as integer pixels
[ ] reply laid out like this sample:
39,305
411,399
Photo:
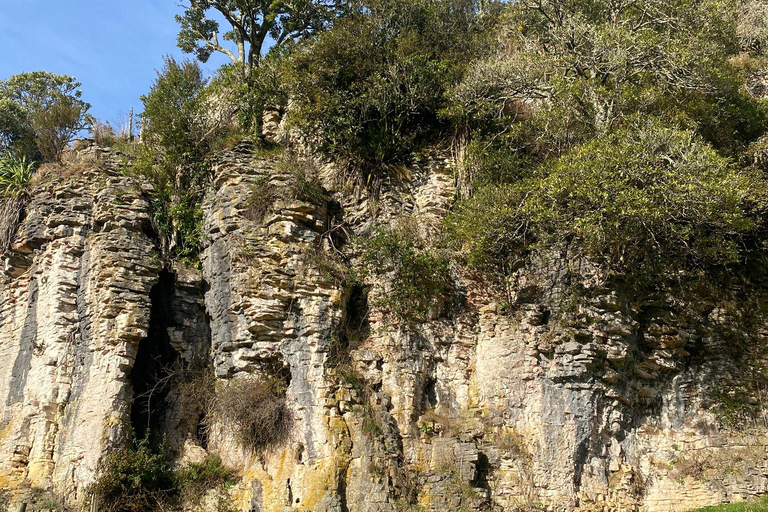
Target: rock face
75,305
542,398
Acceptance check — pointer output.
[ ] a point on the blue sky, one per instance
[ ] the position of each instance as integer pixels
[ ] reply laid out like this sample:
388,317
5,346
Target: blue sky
113,47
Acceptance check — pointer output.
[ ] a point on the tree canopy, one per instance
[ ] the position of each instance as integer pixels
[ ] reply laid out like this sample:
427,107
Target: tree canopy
40,112
250,24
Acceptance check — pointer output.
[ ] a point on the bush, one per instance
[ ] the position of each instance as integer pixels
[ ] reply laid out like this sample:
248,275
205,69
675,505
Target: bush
194,480
653,205
15,173
413,279
368,92
492,231
244,98
173,159
255,410
15,131
135,479
140,477
571,71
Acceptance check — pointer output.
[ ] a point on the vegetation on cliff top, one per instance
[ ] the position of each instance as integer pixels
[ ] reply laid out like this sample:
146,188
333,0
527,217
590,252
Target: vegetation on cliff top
624,132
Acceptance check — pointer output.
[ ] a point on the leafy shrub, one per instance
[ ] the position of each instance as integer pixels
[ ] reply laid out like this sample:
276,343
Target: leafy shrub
492,230
568,72
652,204
15,174
173,158
140,477
135,479
368,92
413,279
15,132
244,98
195,479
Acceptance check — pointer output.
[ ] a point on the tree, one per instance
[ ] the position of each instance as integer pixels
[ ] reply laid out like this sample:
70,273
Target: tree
177,141
42,106
580,68
15,131
369,91
250,22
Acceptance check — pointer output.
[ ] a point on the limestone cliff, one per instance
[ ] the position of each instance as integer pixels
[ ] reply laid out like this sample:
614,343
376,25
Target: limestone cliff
538,401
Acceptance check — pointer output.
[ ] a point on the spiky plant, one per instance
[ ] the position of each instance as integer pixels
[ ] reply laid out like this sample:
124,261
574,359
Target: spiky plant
15,173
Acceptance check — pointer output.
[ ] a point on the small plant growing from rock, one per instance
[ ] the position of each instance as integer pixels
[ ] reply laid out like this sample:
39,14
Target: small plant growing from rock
417,283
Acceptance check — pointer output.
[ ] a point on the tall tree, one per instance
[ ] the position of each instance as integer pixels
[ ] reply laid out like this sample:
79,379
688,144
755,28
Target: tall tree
251,23
41,109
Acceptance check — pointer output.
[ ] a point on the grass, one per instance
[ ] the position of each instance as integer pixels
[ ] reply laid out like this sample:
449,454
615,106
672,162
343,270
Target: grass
745,506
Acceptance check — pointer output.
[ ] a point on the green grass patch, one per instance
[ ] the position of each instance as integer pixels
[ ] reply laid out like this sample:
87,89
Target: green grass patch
745,506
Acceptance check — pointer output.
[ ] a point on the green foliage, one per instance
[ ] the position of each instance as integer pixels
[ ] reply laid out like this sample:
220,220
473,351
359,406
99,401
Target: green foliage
653,205
250,23
368,92
178,138
571,71
15,173
15,131
135,479
413,279
760,505
40,112
173,112
140,477
246,97
492,231
195,479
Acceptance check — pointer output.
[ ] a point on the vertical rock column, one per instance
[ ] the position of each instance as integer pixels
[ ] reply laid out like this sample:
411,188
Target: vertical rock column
75,304
269,307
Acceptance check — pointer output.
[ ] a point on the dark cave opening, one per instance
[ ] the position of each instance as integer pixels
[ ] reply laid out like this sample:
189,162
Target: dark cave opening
430,394
155,359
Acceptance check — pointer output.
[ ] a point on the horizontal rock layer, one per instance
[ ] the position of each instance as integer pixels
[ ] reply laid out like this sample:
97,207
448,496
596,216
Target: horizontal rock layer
570,403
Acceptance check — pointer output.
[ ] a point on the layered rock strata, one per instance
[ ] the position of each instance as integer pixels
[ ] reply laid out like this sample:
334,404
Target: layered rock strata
540,397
